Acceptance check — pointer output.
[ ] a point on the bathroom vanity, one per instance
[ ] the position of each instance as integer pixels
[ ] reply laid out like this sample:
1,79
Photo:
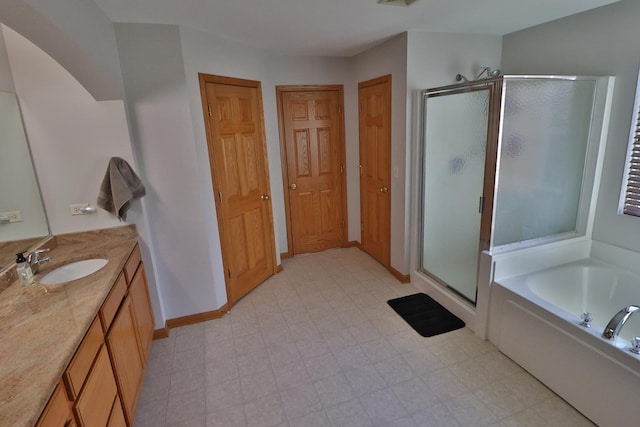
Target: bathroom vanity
76,355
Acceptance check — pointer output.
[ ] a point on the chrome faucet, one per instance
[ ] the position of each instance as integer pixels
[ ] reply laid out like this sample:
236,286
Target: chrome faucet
617,322
34,259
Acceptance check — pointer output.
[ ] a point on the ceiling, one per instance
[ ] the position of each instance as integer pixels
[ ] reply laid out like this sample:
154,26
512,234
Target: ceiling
340,27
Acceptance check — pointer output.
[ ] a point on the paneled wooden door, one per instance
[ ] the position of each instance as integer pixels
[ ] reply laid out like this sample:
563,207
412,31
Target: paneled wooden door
237,154
313,152
374,98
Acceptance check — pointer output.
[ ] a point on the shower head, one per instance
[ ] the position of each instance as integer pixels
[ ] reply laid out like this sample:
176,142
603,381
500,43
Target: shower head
460,77
489,71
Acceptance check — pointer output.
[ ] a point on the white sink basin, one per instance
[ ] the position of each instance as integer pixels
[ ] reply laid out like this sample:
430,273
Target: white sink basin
73,271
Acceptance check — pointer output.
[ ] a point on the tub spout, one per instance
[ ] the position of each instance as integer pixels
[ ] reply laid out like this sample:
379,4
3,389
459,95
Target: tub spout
617,322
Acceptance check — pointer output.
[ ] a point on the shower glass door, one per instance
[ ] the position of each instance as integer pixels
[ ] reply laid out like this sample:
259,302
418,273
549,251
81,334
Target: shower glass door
454,157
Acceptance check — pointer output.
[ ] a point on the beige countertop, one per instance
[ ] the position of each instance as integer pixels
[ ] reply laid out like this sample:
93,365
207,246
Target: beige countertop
39,332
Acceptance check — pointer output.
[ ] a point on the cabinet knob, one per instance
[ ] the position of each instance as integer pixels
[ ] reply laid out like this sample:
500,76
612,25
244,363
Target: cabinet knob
293,186
265,197
384,190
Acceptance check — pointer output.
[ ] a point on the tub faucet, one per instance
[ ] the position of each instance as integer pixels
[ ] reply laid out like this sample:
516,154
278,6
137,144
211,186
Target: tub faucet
35,260
617,322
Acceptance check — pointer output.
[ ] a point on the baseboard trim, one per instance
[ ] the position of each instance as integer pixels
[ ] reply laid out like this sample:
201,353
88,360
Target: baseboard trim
161,333
402,278
353,244
197,318
279,268
286,255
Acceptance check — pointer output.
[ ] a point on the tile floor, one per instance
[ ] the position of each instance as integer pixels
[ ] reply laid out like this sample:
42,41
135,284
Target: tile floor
317,345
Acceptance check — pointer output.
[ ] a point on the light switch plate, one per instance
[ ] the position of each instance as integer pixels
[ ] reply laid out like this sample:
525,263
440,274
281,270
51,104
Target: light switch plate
14,216
76,209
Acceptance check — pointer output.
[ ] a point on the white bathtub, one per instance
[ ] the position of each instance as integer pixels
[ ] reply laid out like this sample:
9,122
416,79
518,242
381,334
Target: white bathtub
589,285
534,319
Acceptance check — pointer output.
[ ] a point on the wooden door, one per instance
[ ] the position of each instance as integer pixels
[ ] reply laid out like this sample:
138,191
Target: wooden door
240,174
374,98
312,142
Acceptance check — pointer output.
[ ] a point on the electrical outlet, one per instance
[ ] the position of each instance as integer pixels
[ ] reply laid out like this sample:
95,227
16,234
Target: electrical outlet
14,216
77,208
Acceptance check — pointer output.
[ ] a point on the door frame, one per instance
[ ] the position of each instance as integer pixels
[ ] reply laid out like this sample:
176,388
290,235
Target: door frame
280,90
367,83
232,81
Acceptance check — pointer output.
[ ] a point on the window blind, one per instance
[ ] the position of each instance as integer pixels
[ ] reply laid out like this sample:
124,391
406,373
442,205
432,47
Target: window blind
632,191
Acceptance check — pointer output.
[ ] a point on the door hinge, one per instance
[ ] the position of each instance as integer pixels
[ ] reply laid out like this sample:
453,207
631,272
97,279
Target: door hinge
220,195
361,226
360,166
360,107
339,108
481,205
210,114
342,223
341,168
229,272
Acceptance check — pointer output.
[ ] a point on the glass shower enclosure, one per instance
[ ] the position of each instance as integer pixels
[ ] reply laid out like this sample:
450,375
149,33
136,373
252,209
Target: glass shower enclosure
502,162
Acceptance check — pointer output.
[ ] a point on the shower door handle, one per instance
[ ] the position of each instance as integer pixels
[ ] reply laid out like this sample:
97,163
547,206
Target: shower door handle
481,205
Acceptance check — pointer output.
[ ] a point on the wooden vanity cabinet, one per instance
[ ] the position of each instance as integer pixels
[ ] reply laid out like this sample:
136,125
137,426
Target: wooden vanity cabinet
129,337
103,381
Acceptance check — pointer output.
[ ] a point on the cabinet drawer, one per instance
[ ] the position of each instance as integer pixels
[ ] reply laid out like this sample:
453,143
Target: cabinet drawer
94,405
80,365
58,410
132,264
111,304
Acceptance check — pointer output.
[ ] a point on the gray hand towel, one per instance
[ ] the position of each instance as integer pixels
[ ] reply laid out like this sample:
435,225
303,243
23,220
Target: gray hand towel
119,187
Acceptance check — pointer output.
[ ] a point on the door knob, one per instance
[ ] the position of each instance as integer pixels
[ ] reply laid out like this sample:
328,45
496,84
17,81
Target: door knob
293,186
265,197
384,190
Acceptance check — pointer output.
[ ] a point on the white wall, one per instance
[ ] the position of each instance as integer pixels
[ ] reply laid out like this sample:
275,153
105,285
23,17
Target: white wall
387,58
152,67
434,59
72,136
603,41
74,32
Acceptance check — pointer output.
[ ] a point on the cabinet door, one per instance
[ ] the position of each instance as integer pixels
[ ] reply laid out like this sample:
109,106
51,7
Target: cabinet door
93,407
58,410
126,357
142,307
117,415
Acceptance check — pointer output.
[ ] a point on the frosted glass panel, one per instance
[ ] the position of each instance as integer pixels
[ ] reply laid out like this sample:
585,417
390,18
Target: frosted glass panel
454,156
543,147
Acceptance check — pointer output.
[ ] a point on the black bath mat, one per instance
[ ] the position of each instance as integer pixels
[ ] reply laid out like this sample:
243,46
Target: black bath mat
425,315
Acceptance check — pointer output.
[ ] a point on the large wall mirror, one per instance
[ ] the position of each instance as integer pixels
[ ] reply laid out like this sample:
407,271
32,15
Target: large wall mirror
23,221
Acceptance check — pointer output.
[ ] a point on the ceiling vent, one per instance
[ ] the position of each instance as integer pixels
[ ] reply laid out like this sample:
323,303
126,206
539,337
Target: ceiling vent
403,3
